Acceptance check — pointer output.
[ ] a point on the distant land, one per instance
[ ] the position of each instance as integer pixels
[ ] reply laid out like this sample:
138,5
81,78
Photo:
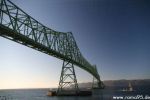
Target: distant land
119,83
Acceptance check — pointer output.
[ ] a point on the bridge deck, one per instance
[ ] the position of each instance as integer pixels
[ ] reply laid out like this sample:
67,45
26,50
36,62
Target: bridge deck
20,27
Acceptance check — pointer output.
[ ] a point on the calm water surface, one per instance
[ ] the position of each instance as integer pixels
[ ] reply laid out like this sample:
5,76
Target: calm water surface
40,94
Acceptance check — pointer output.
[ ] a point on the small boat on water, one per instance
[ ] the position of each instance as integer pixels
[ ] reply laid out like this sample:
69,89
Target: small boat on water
129,88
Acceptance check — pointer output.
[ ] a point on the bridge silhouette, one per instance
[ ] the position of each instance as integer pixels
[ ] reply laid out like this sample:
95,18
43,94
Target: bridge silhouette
20,27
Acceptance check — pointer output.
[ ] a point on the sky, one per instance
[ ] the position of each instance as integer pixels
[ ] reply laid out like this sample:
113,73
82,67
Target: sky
113,34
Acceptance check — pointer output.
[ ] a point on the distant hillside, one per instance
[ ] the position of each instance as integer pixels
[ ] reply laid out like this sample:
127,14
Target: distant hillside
122,83
139,82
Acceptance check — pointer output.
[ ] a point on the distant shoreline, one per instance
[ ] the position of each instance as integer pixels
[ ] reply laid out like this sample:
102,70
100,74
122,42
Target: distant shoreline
108,83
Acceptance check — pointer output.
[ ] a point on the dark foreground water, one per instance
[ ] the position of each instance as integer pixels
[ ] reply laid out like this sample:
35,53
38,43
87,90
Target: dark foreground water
107,94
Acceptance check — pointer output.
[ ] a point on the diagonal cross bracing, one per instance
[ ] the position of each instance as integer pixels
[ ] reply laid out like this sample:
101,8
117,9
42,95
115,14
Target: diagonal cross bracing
20,27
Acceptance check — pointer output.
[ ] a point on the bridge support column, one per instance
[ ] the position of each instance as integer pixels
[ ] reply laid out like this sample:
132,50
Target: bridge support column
68,81
97,84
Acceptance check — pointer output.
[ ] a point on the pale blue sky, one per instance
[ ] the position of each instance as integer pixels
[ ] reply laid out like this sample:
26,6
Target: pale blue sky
114,35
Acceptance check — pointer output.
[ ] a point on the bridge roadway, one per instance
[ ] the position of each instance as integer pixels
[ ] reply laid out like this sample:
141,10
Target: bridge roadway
20,27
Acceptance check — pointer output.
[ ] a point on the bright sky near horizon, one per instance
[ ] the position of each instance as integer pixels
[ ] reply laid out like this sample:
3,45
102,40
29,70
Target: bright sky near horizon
114,35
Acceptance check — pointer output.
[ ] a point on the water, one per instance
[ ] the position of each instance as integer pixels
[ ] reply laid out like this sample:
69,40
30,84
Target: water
106,94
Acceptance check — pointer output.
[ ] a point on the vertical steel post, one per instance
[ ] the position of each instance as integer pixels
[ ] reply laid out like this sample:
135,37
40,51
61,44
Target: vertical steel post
1,13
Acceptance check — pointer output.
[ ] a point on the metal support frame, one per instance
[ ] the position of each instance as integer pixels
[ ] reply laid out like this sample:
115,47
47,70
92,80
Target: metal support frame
68,79
97,84
18,26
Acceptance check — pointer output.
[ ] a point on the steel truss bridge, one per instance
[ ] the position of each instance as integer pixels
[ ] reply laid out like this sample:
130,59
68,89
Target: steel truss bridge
20,27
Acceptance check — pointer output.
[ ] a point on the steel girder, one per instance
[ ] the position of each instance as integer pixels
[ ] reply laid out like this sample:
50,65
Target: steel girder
20,27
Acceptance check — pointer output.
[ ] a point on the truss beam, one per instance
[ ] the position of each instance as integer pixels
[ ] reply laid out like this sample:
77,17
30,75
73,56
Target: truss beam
20,27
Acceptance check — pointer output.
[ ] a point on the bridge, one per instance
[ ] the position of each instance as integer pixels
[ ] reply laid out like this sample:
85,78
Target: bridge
18,26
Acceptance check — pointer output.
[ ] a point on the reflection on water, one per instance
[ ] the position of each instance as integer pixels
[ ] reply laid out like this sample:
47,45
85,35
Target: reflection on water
40,94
